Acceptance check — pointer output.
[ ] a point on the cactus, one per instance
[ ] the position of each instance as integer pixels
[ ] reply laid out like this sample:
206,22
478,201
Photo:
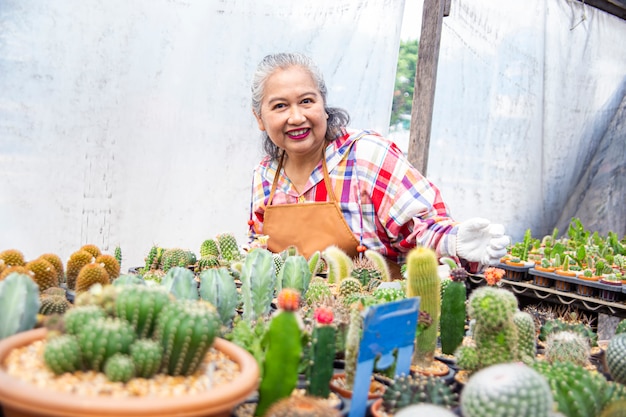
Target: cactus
79,316
103,296
218,287
577,391
129,279
153,260
416,388
526,335
146,355
616,358
511,390
453,315
318,293
381,263
348,286
89,275
555,325
111,265
175,257
258,281
54,304
43,273
294,274
181,283
284,350
567,346
353,339
316,263
186,329
365,271
19,304
302,406
387,295
62,354
57,263
92,249
322,354
140,306
467,358
103,338
228,246
74,264
209,248
423,281
621,327
339,264
207,262
117,254
429,410
119,368
12,257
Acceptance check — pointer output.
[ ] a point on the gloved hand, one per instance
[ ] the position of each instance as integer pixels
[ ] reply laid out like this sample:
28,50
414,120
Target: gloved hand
478,240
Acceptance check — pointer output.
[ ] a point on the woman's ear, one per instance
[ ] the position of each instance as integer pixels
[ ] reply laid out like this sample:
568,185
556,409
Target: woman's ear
259,121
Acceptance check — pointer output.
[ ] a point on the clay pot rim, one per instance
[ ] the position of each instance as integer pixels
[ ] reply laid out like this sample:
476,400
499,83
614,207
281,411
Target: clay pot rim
16,394
348,394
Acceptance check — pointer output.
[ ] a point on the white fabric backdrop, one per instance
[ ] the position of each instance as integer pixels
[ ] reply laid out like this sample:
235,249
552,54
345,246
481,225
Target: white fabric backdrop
128,122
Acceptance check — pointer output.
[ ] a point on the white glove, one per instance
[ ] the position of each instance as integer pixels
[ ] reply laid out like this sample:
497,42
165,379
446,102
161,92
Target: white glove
478,240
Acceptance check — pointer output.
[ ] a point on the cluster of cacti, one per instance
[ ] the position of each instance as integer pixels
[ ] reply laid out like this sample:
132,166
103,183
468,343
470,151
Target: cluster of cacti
507,390
453,314
177,257
218,288
89,275
557,325
577,391
74,264
416,388
321,353
495,335
89,266
228,247
181,283
349,286
209,248
318,292
283,353
423,281
567,346
302,406
19,304
145,332
365,270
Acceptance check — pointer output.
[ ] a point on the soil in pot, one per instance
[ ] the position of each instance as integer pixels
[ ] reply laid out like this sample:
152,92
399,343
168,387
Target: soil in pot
338,386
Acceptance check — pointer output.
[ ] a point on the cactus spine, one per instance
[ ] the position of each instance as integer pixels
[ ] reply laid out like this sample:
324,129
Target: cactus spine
146,355
423,281
567,346
218,288
416,388
258,280
119,368
284,350
381,264
526,335
353,339
322,354
453,313
19,304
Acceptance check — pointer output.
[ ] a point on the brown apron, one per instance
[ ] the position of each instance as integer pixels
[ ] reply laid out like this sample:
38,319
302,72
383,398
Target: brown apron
308,226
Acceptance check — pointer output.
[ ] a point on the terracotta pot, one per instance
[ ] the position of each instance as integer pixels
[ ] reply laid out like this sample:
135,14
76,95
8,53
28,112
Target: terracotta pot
376,388
542,281
375,408
543,269
564,286
564,273
21,399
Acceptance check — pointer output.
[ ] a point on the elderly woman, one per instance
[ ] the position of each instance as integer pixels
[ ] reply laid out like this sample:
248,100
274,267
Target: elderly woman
322,183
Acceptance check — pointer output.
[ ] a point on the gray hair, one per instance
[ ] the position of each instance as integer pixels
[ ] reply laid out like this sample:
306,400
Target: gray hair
337,118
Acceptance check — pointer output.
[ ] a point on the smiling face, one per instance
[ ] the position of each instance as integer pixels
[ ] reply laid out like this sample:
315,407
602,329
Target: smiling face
293,114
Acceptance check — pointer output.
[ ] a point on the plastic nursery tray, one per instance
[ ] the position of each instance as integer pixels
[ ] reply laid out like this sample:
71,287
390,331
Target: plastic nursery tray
519,273
574,280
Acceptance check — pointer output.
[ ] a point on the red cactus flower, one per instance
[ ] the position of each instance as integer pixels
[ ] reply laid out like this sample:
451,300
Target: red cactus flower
288,299
323,315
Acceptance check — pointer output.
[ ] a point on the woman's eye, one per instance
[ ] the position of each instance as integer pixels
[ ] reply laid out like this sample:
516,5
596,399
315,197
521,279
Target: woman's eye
279,106
307,101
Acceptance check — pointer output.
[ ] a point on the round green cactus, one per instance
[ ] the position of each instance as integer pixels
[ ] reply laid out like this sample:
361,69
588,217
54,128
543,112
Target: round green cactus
209,248
416,388
54,304
318,293
119,368
146,355
527,348
509,389
567,346
186,329
365,271
62,354
78,317
493,307
140,305
349,286
103,338
616,357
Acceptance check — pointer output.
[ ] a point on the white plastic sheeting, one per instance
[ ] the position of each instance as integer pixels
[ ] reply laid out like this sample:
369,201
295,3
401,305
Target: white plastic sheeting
128,122
530,113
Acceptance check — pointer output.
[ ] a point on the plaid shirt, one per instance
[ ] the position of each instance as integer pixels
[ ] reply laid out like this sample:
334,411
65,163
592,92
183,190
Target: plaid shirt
398,208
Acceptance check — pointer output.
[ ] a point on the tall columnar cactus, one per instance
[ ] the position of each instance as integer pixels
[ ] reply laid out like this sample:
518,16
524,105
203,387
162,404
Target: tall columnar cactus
494,332
140,305
181,283
616,357
117,254
283,354
423,281
339,264
567,346
294,274
577,391
19,304
506,390
526,336
316,263
186,329
453,313
218,288
322,354
353,340
103,338
258,280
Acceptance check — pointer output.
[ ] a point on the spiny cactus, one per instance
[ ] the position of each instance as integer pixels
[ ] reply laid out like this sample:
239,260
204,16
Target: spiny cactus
316,263
153,260
43,273
294,274
103,338
175,257
91,274
119,368
453,315
365,270
258,280
181,283
209,248
19,304
353,340
208,262
282,357
279,261
348,286
615,356
379,260
621,327
218,288
526,336
12,257
301,406
506,390
321,353
228,246
14,269
62,354
186,329
140,306
74,264
416,388
111,265
387,295
146,355
54,304
554,325
117,254
100,295
339,264
94,250
57,263
318,293
80,316
423,281
567,346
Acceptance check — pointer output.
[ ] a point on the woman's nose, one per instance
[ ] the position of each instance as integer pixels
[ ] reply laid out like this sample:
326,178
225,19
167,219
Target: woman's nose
296,116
